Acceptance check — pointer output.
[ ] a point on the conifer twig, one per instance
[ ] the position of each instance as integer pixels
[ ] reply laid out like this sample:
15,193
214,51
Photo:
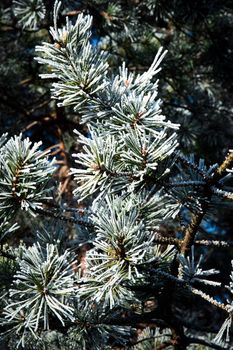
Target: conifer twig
195,291
197,218
191,231
210,299
219,244
178,242
61,217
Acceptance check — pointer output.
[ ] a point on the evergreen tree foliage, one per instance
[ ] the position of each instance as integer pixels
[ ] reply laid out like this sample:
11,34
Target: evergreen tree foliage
110,254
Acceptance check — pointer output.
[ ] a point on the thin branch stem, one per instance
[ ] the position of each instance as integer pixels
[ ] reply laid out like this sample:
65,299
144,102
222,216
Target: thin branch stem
210,299
191,231
228,162
186,184
167,240
178,242
61,217
219,244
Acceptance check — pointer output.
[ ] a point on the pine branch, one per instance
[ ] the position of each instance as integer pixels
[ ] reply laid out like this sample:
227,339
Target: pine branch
123,161
210,299
203,295
219,244
178,242
196,219
167,240
61,217
191,231
186,184
228,163
194,166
